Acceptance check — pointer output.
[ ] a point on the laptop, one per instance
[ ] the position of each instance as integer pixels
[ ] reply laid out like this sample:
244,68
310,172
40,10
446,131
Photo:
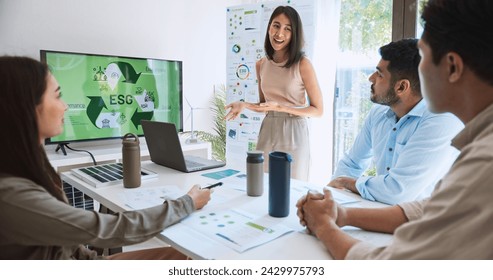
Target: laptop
165,148
106,174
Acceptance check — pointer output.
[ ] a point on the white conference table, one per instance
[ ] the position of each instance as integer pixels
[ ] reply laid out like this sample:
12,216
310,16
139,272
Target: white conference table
294,245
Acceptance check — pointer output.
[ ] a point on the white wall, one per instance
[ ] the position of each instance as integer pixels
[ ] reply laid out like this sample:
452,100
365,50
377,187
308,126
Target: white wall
193,31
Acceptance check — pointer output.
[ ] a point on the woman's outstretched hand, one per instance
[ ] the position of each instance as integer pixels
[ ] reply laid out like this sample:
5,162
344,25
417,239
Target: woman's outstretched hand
235,110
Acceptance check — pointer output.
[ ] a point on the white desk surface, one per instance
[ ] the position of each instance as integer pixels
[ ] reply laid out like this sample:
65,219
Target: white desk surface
295,245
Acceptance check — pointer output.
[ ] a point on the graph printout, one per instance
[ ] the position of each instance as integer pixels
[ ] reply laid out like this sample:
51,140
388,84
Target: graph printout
237,229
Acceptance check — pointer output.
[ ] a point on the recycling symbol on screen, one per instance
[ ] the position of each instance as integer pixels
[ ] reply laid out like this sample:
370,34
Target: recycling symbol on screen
122,107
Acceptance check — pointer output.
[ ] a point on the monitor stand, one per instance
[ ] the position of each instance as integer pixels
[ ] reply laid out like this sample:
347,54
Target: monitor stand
192,140
61,146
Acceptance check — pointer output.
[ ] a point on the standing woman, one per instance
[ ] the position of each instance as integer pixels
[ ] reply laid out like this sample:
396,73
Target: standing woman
285,77
36,220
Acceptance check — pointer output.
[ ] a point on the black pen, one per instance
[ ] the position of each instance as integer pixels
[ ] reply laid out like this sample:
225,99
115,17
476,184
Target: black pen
214,185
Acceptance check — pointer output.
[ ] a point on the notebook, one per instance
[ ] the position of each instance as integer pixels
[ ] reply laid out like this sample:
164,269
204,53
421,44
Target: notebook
106,174
165,148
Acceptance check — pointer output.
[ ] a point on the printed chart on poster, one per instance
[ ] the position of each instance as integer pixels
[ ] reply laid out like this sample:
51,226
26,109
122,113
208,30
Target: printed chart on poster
246,29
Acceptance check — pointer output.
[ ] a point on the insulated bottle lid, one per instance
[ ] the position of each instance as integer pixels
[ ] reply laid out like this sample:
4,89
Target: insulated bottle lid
127,138
280,156
255,157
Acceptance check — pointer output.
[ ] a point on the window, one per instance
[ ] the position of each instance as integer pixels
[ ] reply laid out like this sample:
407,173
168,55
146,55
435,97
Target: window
419,26
365,25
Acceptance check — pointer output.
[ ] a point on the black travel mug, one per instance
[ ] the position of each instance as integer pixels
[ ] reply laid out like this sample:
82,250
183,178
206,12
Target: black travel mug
279,183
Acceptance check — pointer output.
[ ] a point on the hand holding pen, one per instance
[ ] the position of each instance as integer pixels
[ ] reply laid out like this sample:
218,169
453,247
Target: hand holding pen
200,196
213,185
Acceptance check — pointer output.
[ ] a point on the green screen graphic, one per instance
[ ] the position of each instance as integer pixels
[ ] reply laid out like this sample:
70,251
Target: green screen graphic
108,96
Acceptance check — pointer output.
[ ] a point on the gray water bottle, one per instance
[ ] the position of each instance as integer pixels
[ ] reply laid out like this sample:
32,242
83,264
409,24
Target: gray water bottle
255,173
279,183
131,160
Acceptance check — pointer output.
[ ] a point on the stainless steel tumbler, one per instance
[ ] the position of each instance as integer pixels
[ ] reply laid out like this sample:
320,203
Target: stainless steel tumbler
255,173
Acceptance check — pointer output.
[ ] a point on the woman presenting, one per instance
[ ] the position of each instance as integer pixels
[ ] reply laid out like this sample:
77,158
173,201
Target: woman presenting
288,92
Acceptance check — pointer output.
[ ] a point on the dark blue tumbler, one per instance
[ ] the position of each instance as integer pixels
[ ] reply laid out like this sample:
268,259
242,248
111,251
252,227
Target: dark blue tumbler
279,183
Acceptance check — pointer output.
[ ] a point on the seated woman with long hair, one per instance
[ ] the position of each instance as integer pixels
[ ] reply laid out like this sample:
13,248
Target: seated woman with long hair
36,220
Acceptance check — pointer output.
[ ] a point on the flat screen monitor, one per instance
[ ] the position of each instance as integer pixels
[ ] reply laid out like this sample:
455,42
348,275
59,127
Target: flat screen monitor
107,95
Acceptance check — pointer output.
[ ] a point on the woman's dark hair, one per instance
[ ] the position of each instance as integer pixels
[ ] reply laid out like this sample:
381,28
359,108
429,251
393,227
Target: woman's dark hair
464,27
23,82
403,57
295,47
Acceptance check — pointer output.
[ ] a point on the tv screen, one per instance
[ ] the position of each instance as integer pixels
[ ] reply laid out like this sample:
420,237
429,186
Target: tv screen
107,96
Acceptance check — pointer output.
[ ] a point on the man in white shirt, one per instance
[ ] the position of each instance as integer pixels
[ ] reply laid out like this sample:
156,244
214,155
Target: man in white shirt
456,221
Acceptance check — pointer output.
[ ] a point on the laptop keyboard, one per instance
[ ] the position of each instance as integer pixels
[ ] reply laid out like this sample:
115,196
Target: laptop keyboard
193,164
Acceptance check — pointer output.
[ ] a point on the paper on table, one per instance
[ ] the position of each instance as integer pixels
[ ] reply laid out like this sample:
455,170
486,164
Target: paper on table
375,238
218,175
237,229
141,198
342,198
338,196
237,182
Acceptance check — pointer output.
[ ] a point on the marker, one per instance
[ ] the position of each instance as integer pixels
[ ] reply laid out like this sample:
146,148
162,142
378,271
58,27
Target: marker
214,185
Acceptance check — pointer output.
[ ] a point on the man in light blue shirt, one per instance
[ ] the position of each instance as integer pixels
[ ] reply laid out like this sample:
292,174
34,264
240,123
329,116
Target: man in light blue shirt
409,145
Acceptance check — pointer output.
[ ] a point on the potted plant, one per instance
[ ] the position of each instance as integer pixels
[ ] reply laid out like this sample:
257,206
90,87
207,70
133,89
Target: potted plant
218,138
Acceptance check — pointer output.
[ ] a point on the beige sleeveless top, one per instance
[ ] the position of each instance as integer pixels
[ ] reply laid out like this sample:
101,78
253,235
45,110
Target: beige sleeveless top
282,85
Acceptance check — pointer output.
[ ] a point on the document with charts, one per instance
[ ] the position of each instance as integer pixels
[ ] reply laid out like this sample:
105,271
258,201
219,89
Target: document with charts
237,229
140,198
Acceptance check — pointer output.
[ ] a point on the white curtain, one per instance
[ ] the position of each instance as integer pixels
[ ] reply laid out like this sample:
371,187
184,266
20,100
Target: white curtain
324,61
